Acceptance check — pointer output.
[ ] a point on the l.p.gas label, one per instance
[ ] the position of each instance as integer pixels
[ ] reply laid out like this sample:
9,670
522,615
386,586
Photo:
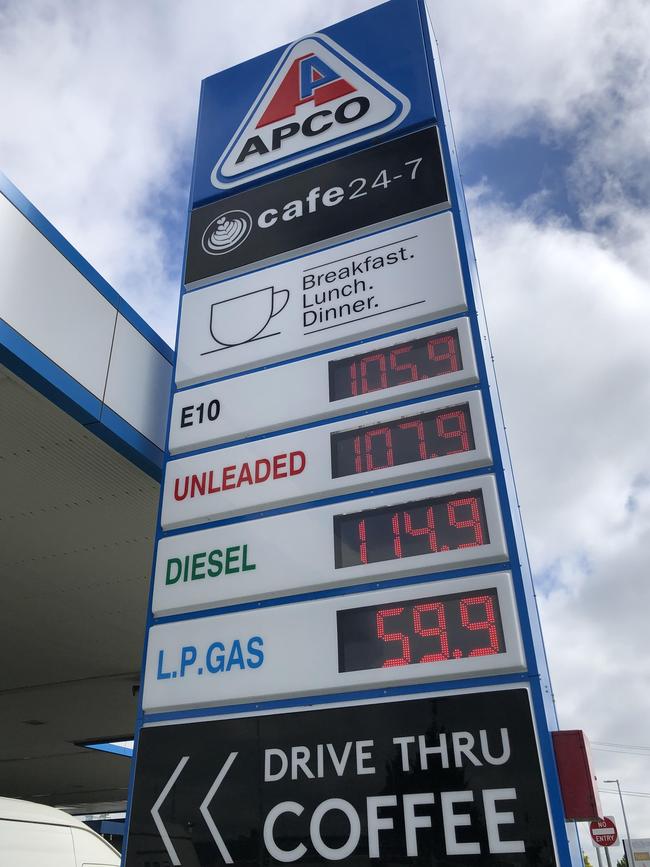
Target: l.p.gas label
325,92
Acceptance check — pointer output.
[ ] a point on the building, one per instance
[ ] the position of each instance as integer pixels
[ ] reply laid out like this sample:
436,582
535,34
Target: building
84,385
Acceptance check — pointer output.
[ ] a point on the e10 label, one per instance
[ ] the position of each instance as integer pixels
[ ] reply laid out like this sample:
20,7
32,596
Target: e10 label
192,414
423,361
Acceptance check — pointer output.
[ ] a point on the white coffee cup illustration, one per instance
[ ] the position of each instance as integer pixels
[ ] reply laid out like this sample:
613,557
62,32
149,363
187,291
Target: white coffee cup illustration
243,318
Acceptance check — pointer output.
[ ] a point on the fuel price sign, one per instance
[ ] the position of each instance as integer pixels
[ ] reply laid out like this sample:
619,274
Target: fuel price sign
429,524
418,631
405,362
422,361
412,532
428,439
335,518
439,630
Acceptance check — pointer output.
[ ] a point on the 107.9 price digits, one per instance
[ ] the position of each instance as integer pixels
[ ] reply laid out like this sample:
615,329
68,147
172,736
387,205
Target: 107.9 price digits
405,440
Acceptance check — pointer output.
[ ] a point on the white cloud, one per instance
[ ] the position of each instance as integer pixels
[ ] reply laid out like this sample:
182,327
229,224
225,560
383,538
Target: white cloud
508,65
569,320
575,74
98,122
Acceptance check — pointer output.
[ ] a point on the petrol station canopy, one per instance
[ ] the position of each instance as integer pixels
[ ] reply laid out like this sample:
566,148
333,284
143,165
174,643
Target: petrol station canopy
84,385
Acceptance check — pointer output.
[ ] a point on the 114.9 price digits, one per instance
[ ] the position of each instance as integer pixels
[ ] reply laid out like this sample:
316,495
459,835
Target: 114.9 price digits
423,527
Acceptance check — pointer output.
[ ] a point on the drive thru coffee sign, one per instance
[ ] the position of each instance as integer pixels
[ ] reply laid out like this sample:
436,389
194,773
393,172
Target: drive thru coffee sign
451,780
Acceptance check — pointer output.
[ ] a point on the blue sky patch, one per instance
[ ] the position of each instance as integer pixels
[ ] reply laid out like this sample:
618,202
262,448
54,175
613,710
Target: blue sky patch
522,166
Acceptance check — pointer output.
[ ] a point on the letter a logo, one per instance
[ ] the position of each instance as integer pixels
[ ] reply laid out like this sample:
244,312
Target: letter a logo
317,99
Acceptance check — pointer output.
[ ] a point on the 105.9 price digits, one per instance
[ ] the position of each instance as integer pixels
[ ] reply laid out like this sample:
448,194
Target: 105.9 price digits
378,369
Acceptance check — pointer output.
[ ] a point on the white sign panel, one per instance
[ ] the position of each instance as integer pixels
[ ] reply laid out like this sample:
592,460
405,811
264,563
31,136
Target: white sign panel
422,361
421,530
428,438
439,630
402,276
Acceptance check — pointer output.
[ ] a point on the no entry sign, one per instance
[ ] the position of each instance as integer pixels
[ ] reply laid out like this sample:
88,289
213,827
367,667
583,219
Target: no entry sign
440,780
603,832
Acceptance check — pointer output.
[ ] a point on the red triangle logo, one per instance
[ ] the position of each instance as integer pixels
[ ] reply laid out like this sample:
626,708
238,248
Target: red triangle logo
319,98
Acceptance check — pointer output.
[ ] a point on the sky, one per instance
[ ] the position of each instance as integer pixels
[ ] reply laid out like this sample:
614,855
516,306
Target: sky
549,103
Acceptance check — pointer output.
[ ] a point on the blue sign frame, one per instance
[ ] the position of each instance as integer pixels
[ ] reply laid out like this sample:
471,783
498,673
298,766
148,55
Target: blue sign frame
35,368
240,82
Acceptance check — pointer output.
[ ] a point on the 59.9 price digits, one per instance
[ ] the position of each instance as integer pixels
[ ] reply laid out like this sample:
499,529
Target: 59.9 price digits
454,626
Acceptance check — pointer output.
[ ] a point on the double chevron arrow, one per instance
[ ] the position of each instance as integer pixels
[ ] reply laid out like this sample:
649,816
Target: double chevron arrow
209,821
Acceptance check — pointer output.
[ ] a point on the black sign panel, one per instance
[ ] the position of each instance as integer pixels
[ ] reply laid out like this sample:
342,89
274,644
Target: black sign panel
380,368
444,781
373,186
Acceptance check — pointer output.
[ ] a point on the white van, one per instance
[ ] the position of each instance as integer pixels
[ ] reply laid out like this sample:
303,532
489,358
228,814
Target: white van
33,835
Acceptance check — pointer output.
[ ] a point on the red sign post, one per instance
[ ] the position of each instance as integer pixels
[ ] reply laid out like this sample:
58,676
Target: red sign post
603,832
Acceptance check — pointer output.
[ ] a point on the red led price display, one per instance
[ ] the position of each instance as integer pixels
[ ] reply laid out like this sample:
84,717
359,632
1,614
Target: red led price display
434,629
412,361
422,527
420,437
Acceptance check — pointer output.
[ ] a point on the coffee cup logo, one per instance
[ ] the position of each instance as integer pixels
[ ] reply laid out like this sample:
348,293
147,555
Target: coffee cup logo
226,232
244,318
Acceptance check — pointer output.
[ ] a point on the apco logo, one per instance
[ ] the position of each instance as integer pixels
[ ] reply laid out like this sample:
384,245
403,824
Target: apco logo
318,99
